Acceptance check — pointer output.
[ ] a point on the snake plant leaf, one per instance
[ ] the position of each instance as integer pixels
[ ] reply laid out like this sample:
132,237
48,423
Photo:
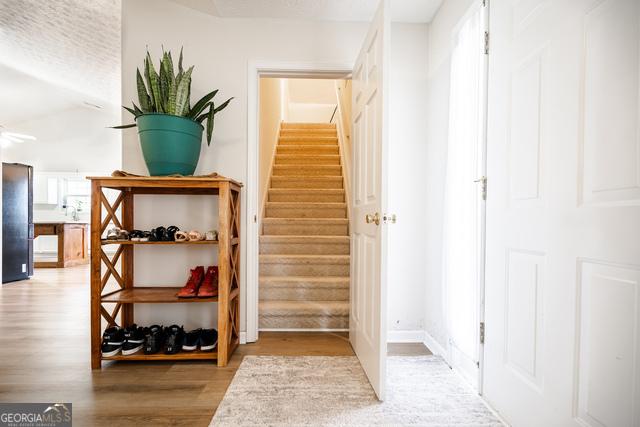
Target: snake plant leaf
182,94
164,89
147,78
137,110
201,105
154,80
204,115
131,110
143,96
223,105
180,69
132,125
212,113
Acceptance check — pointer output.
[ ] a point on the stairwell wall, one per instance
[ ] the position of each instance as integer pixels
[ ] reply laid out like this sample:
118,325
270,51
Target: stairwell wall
271,105
220,49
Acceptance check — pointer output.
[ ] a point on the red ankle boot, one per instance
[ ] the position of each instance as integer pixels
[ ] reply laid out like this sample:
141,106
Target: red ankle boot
209,286
190,290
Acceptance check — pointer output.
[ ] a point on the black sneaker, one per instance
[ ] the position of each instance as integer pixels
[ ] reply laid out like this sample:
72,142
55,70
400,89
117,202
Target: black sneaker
192,340
174,339
208,339
133,340
153,339
112,341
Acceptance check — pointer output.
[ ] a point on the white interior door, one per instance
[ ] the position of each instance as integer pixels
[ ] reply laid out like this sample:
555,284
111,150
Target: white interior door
562,341
367,323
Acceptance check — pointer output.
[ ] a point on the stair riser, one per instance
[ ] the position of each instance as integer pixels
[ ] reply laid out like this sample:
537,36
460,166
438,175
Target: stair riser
282,170
323,133
305,197
303,322
289,182
308,140
305,248
325,126
304,269
308,150
306,229
270,293
306,212
307,160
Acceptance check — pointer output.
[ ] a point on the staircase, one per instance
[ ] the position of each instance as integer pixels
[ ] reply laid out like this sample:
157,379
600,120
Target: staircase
304,246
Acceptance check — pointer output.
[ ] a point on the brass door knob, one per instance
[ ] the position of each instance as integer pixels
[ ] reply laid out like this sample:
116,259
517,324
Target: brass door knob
375,218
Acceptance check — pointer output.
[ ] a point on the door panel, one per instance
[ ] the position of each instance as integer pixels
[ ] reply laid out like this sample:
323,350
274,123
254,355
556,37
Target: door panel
367,323
563,213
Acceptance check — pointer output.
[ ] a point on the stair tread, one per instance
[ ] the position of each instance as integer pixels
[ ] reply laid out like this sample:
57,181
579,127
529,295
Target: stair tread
300,205
318,238
308,279
292,308
324,221
309,190
304,258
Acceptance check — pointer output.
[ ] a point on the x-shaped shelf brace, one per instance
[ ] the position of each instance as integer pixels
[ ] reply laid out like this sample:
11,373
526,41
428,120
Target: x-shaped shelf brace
111,217
233,330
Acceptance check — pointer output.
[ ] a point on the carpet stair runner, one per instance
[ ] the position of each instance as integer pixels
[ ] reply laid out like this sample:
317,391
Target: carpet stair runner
304,246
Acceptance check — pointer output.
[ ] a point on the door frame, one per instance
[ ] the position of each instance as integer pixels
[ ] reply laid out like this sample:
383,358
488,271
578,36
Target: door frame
256,70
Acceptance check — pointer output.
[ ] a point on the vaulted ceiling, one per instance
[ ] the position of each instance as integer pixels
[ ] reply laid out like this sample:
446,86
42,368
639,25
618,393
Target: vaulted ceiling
417,11
74,44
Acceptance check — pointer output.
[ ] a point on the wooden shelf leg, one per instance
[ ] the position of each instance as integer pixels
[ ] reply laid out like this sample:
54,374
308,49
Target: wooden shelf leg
96,220
127,258
224,252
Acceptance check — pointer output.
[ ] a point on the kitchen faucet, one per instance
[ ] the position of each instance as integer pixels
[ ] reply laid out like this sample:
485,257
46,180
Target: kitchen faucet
74,215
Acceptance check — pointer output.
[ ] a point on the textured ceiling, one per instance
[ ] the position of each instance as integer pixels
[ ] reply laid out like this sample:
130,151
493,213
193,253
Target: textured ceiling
70,43
419,11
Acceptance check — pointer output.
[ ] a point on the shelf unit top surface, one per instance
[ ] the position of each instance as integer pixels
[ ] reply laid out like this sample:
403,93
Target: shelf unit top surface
164,181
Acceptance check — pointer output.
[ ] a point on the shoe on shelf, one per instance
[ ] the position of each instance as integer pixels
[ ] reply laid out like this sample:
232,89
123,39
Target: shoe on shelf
133,340
153,339
208,339
190,290
174,339
192,340
209,287
135,235
171,233
112,341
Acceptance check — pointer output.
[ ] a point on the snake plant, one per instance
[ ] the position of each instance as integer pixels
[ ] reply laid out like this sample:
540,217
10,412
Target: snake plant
169,93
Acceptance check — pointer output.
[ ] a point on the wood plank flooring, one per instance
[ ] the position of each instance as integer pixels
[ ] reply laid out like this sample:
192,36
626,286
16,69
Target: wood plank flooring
44,357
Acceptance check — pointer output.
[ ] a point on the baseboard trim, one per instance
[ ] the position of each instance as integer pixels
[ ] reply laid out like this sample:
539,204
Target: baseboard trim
301,330
243,337
434,346
405,336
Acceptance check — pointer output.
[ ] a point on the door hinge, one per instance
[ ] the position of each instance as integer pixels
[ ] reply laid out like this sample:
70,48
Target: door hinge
255,218
483,181
481,332
486,42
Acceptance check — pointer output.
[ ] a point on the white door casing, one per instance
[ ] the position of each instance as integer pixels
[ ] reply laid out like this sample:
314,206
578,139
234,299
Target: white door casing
367,322
562,341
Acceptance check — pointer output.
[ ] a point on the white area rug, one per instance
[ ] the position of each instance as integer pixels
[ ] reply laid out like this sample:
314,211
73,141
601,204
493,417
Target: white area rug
333,391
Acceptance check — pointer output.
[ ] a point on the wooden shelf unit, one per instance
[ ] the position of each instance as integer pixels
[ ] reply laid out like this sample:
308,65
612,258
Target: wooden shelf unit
125,298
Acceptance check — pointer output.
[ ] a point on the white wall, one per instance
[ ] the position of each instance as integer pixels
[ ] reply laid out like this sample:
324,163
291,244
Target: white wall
220,49
311,100
439,55
407,178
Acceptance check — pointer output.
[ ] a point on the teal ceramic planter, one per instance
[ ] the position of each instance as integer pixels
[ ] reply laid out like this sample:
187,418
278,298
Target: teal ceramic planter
170,144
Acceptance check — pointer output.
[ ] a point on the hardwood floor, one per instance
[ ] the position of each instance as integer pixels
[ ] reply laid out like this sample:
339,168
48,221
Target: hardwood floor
44,357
